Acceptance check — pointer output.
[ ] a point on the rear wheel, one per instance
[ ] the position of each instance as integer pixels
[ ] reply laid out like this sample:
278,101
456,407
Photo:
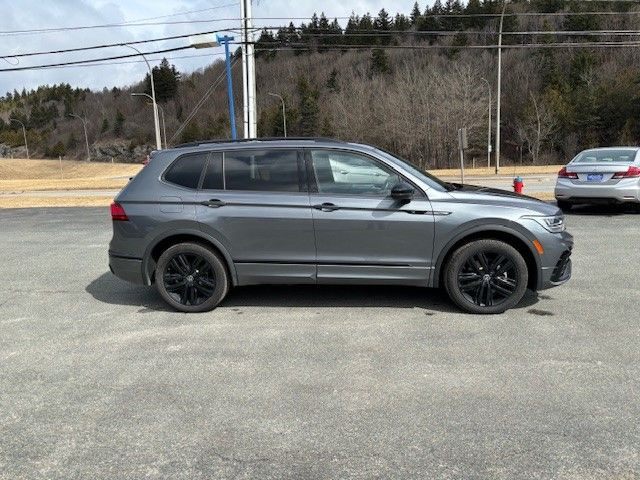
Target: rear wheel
191,277
486,276
564,205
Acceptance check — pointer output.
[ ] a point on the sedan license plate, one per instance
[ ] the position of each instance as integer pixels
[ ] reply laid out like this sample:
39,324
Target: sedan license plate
594,177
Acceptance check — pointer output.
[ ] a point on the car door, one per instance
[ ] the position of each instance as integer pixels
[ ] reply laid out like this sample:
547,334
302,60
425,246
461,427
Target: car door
256,202
362,234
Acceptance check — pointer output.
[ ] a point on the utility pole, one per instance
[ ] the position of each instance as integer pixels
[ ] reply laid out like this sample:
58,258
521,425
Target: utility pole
284,112
86,137
224,40
489,128
24,132
248,72
498,109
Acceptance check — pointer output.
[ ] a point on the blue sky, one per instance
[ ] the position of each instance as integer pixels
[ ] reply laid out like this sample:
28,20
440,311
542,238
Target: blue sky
43,14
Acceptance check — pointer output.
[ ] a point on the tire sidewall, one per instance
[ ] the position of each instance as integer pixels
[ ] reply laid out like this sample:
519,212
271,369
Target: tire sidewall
461,255
217,265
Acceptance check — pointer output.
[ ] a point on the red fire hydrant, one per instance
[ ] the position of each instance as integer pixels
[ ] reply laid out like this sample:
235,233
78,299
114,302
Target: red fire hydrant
518,185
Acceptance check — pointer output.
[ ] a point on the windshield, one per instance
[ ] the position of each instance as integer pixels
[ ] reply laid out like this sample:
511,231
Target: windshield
626,155
432,181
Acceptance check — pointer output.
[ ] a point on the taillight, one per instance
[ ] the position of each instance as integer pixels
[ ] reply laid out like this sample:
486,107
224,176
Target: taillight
118,213
564,174
633,172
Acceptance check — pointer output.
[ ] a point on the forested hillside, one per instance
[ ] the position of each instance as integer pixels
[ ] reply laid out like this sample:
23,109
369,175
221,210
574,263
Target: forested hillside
405,82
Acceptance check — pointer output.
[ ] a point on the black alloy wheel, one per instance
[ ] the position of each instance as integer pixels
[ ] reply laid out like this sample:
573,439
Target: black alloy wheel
191,277
486,276
488,279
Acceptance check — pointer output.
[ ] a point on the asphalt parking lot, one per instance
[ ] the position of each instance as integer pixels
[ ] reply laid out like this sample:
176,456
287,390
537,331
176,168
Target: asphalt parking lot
99,380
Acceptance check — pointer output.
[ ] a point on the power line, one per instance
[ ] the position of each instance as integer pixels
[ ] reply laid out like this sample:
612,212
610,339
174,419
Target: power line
129,62
93,60
201,102
129,23
392,33
303,46
236,19
108,45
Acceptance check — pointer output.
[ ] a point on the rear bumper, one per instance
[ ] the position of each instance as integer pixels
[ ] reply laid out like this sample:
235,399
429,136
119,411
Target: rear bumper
622,192
126,268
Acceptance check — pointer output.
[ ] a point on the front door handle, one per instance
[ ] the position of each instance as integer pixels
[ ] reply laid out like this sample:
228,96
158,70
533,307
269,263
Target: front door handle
326,207
213,203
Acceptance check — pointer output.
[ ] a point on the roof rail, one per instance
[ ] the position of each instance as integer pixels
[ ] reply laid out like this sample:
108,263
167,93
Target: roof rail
261,139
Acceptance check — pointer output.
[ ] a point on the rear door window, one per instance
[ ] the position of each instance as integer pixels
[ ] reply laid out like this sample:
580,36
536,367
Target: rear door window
187,170
263,170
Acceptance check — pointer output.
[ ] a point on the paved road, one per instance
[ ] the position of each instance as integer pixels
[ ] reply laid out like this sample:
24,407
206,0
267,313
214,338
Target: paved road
99,380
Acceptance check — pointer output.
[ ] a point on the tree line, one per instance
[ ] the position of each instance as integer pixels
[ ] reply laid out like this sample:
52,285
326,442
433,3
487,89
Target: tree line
351,82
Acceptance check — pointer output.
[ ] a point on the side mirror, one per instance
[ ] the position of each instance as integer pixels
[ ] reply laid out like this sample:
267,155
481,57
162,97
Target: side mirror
402,191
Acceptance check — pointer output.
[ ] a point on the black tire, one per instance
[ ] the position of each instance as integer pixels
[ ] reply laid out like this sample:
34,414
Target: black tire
564,205
486,277
191,277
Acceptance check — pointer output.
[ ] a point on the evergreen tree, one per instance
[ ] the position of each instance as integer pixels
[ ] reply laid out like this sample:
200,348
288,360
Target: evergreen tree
166,79
308,107
58,150
326,130
332,81
105,125
72,142
118,124
379,62
191,133
415,15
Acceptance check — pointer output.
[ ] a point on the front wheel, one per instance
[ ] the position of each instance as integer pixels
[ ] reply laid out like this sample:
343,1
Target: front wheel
191,277
486,277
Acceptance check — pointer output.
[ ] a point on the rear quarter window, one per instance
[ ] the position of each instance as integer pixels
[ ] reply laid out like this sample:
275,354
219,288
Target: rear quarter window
186,170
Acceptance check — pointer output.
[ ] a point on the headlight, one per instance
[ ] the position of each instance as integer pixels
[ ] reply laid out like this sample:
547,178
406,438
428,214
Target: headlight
554,223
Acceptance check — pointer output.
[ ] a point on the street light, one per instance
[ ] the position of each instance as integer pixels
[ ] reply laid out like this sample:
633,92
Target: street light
24,132
86,137
164,130
489,129
153,97
207,41
284,112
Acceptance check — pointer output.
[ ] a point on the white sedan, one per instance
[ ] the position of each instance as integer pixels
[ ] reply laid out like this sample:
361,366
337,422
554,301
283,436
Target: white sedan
600,175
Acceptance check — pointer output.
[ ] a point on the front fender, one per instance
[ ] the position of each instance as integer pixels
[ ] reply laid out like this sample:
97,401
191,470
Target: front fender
482,228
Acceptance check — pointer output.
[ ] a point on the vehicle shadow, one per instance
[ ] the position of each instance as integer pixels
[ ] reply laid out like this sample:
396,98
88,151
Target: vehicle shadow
107,288
603,210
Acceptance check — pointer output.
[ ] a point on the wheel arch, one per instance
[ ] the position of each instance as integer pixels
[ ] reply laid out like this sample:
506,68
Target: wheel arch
516,239
162,242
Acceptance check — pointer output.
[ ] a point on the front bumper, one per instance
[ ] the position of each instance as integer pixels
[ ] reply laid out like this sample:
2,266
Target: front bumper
557,267
622,191
126,268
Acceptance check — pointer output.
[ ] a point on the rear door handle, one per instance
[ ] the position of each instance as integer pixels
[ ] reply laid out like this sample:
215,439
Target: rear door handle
326,207
213,203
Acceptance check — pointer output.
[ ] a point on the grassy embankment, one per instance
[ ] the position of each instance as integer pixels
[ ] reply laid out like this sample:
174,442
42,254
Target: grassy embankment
21,180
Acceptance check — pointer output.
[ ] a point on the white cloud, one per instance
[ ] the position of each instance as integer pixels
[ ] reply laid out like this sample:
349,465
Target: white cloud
38,14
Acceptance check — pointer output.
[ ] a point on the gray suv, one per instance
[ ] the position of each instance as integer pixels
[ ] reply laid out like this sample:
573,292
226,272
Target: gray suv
205,217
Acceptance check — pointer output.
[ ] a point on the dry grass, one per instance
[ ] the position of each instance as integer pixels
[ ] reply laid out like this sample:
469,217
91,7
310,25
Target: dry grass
490,172
33,175
21,201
